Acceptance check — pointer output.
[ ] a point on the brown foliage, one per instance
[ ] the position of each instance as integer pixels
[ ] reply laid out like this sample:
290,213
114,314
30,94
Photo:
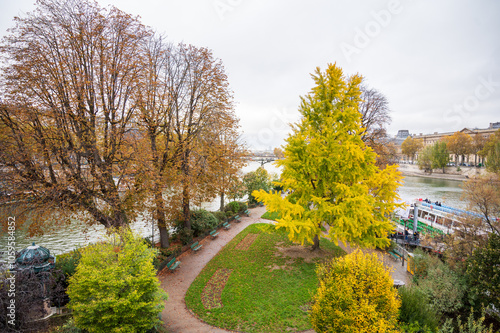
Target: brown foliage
66,108
459,144
189,129
101,118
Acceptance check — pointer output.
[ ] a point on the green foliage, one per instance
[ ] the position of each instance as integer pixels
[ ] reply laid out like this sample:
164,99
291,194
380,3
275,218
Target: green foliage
471,326
233,206
243,206
276,184
267,290
440,156
68,327
415,309
443,287
186,235
355,294
202,220
483,273
220,216
330,174
493,159
425,159
492,152
68,262
115,288
413,328
256,180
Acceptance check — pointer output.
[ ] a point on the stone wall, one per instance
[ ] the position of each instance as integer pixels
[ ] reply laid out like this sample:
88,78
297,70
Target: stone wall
450,172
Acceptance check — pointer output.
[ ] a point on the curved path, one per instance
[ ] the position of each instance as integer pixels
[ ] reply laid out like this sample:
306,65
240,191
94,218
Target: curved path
176,316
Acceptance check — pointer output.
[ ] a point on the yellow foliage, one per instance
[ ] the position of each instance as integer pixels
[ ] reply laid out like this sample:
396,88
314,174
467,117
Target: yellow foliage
356,294
329,174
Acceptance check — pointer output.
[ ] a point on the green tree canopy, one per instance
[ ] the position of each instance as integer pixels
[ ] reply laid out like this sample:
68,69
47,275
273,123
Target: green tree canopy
256,180
425,159
330,174
483,271
491,150
115,288
440,156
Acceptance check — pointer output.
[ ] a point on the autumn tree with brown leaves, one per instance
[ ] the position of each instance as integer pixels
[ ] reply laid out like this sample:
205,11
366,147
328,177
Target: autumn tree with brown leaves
70,72
101,117
411,146
459,144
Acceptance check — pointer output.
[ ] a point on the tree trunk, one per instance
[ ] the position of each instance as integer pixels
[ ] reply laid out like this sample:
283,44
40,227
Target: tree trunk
164,236
185,207
221,202
160,219
316,243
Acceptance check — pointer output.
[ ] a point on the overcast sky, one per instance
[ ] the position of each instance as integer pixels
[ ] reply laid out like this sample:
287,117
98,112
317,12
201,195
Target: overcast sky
437,62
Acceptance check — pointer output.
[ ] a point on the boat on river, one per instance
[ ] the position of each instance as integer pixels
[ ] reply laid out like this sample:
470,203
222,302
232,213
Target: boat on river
434,218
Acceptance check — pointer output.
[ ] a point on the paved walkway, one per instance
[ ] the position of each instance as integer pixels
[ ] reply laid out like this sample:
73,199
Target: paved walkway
176,316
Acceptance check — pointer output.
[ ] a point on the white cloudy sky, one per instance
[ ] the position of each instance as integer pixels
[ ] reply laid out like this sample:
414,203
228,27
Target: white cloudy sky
437,62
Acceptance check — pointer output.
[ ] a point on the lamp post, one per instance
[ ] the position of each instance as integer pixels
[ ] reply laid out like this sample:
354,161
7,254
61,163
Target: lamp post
152,233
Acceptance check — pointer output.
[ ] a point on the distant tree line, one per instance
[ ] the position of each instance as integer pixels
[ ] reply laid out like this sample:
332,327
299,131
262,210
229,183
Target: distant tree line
460,145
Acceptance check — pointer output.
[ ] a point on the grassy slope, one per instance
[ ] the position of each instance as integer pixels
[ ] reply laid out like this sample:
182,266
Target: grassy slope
257,298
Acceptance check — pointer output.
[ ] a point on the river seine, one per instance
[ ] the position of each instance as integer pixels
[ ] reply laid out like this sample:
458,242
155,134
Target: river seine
64,240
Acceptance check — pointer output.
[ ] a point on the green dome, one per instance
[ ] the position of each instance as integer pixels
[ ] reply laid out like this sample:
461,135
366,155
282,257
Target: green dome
35,256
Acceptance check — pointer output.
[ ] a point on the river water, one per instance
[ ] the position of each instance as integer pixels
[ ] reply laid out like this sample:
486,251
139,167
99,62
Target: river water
66,239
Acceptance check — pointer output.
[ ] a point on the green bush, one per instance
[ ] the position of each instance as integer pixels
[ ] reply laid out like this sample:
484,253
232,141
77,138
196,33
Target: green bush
115,288
471,326
68,327
243,206
201,221
67,262
483,273
233,207
444,287
415,309
164,253
221,216
186,236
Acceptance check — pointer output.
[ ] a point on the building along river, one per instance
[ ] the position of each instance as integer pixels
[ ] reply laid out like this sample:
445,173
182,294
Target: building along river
71,237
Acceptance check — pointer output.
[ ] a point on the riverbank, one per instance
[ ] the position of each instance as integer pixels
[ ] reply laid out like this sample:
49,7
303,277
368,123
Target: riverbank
451,173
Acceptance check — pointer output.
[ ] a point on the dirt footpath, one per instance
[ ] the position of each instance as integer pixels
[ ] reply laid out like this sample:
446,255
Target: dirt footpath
177,318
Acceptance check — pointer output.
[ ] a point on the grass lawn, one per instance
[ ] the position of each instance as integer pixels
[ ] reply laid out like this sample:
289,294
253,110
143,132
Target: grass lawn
270,216
269,287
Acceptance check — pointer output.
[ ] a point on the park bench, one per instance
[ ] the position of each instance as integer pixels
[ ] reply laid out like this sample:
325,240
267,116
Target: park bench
172,264
237,219
226,225
195,246
395,254
246,212
214,233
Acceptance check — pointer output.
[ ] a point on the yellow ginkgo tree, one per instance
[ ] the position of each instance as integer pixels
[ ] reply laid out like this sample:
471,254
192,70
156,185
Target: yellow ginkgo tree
329,175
